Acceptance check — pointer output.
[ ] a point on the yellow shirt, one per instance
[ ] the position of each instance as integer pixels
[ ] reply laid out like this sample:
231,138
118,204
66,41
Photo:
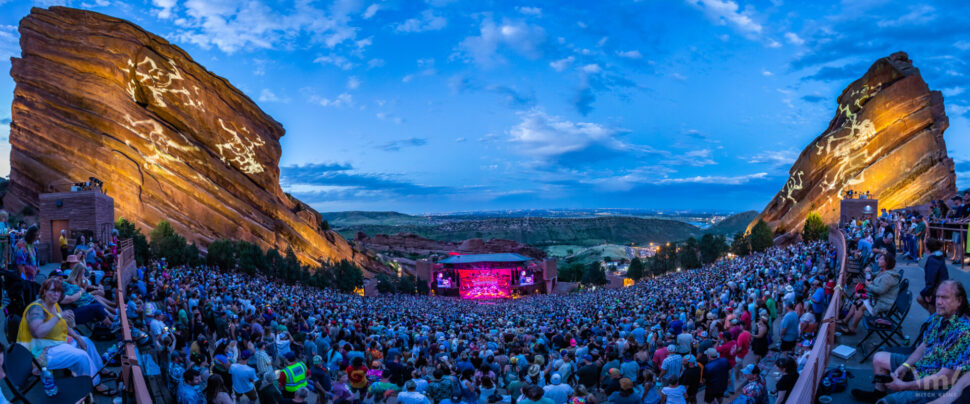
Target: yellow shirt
63,241
57,336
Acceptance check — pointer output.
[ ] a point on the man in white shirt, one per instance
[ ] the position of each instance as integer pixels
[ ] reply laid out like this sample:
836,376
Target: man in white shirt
412,396
244,377
557,391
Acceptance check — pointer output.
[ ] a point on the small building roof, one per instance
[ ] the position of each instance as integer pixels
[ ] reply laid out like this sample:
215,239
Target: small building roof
471,258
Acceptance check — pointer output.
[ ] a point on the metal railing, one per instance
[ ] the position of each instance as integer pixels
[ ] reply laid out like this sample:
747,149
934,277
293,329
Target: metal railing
132,375
810,377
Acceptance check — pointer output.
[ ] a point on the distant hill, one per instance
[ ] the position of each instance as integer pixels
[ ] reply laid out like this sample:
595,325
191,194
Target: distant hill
733,224
533,231
362,218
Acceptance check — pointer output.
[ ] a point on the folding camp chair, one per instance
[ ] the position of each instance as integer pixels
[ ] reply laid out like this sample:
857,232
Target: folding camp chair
19,364
890,326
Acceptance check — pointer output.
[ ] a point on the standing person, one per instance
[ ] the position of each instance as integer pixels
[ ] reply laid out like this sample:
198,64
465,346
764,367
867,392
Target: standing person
215,391
557,391
244,376
934,273
673,393
625,394
789,375
293,376
411,395
320,377
716,376
754,389
690,378
187,391
759,344
357,374
62,242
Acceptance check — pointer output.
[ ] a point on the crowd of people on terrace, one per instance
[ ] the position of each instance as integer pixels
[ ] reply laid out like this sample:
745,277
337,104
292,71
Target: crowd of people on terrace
739,329
934,369
694,336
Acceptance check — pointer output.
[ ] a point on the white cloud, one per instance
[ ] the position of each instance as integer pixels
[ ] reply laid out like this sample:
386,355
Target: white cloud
9,41
268,96
631,54
547,137
794,39
592,68
428,21
726,12
353,83
714,179
342,100
370,11
679,76
953,91
423,73
773,44
336,60
777,158
534,11
525,39
562,64
165,8
918,15
766,73
233,25
602,42
375,63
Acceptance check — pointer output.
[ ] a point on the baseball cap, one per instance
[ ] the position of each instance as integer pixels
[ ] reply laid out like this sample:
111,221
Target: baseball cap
711,353
748,369
317,359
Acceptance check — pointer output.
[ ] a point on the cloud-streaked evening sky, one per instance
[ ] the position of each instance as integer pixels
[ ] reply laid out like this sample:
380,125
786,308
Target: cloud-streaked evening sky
443,105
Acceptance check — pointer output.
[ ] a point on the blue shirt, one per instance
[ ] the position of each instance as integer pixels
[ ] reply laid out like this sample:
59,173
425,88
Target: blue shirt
818,301
789,327
188,395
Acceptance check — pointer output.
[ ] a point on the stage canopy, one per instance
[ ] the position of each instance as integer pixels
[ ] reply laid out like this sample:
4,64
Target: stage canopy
473,258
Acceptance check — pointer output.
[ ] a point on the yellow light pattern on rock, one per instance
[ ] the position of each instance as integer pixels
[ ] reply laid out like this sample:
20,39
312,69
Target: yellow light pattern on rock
240,151
161,145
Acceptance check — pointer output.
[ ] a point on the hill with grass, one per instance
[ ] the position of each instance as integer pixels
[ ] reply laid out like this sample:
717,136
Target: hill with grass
539,231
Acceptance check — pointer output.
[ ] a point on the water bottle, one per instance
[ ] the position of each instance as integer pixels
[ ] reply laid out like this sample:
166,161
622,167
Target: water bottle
50,388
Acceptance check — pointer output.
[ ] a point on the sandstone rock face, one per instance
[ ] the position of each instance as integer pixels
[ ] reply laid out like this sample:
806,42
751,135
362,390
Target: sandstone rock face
98,96
886,138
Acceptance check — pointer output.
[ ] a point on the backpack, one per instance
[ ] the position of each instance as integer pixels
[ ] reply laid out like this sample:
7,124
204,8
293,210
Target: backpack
834,380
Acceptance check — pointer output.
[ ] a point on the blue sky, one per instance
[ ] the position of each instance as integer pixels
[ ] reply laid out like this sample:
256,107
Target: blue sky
442,105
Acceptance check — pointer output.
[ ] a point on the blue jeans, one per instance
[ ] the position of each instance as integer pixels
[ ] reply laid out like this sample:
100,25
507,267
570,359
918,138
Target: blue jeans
92,312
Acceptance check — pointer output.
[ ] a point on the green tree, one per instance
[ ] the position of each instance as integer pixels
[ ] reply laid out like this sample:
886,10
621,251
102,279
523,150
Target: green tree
347,276
635,271
423,288
166,243
324,225
712,247
385,284
814,229
221,254
761,236
595,275
128,230
571,272
688,254
741,246
407,285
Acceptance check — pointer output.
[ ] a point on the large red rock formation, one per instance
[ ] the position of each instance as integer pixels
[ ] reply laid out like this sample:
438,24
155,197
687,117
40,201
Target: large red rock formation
886,138
98,96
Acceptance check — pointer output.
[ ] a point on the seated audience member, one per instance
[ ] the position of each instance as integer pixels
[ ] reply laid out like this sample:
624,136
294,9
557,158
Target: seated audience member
882,291
46,332
930,370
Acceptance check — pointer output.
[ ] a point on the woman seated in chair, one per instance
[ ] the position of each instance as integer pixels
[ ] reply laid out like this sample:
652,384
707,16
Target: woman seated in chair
89,294
46,332
882,291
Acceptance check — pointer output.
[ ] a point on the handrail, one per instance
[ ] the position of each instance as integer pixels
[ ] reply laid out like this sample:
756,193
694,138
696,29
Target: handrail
131,373
811,375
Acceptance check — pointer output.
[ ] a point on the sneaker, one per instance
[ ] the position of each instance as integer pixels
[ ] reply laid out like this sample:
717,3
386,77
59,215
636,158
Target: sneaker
867,396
